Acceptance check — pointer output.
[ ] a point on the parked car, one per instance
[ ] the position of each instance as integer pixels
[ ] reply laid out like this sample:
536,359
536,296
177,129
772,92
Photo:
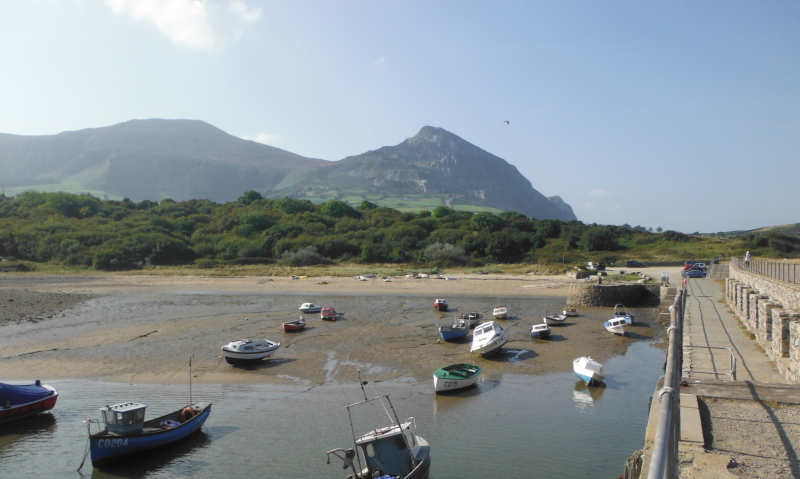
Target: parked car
634,264
694,273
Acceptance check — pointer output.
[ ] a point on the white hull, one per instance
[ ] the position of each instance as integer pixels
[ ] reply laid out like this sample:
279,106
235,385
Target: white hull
449,384
488,338
616,326
500,313
248,356
588,369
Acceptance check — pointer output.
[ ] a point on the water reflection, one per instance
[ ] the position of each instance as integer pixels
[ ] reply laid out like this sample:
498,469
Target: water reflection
585,396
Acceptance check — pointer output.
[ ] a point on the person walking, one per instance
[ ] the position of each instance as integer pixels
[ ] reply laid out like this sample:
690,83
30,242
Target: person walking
747,259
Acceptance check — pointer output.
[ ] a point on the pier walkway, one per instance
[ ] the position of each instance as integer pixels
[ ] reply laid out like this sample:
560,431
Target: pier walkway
733,425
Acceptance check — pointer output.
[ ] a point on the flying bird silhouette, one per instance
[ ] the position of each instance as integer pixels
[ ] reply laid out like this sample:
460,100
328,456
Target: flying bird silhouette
506,122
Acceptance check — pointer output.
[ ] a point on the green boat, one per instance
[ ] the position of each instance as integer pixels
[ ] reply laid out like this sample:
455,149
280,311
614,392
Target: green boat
455,376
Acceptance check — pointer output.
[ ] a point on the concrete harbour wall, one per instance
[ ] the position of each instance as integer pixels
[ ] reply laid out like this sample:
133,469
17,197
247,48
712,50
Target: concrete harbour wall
770,310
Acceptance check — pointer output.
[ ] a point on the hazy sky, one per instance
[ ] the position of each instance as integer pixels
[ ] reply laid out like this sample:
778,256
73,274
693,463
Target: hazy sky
684,115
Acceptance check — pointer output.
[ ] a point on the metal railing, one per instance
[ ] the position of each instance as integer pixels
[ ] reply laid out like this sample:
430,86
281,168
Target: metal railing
782,271
664,457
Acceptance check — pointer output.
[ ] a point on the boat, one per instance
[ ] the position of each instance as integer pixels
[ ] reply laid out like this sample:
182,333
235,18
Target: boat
440,305
249,350
296,325
459,329
570,311
455,376
541,331
125,432
472,319
500,312
616,326
18,401
310,308
589,370
329,314
555,319
620,312
394,451
386,279
488,338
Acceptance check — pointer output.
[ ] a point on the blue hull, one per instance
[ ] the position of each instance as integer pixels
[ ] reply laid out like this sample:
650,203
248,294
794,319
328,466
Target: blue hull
588,380
453,334
107,448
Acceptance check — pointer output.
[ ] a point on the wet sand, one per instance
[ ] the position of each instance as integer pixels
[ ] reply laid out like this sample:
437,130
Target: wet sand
144,328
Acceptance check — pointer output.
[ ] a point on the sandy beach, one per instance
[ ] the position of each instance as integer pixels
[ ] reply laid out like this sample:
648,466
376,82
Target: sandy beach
137,328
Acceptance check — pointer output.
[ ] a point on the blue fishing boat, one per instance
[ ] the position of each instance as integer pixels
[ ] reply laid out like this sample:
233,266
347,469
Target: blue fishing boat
127,433
459,329
620,312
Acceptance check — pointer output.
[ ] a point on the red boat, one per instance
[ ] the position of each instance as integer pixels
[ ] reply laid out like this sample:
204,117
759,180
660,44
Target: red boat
329,313
440,305
294,325
18,401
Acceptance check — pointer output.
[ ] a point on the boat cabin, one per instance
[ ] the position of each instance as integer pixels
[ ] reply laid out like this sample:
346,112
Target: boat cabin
124,418
388,450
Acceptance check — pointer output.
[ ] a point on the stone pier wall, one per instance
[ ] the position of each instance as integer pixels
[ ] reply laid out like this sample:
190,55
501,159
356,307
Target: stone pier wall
611,294
768,308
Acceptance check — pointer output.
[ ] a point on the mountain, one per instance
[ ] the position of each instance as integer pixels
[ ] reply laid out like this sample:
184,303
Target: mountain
148,159
433,164
187,159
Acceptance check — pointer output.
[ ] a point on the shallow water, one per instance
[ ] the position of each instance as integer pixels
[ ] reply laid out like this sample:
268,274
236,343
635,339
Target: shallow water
510,425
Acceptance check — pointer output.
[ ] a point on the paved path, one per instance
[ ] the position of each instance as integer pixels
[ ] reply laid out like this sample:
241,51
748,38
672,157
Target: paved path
747,433
709,322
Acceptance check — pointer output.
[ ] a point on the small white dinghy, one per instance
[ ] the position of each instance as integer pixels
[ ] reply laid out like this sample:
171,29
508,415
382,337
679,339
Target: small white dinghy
616,326
500,312
589,370
310,308
249,350
541,331
570,311
488,338
620,312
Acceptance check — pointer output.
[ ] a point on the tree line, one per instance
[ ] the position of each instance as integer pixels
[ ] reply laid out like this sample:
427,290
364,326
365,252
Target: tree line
81,230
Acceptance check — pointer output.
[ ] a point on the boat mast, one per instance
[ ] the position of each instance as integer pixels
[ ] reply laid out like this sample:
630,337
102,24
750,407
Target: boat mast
190,380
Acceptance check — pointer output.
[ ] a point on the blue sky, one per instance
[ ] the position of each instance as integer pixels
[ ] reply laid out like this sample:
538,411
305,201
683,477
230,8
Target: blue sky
684,115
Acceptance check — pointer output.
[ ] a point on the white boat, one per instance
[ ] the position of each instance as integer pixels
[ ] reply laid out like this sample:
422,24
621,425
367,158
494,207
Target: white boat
248,350
589,370
570,311
620,312
455,376
616,326
488,338
541,331
555,319
310,308
500,312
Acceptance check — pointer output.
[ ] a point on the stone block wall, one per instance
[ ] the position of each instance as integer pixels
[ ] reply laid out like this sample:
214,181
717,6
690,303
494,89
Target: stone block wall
769,309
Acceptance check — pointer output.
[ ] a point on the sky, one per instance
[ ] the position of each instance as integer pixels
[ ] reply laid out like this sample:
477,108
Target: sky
683,115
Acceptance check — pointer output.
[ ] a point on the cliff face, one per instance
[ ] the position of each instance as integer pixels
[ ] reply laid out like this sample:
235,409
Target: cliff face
436,162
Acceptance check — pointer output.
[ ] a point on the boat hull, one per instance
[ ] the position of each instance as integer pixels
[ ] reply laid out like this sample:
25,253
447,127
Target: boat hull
456,376
555,319
449,333
294,326
32,408
490,348
440,307
106,449
590,371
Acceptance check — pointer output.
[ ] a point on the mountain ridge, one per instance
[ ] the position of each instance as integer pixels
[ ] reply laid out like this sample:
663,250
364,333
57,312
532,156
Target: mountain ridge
186,159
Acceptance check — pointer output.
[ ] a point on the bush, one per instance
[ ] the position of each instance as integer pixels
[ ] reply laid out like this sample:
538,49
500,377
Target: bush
447,252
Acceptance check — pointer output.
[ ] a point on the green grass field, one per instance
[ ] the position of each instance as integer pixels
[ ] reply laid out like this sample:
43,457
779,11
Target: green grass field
73,188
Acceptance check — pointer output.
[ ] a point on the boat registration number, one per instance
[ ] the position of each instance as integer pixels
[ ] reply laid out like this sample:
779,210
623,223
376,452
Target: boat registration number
450,384
112,443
